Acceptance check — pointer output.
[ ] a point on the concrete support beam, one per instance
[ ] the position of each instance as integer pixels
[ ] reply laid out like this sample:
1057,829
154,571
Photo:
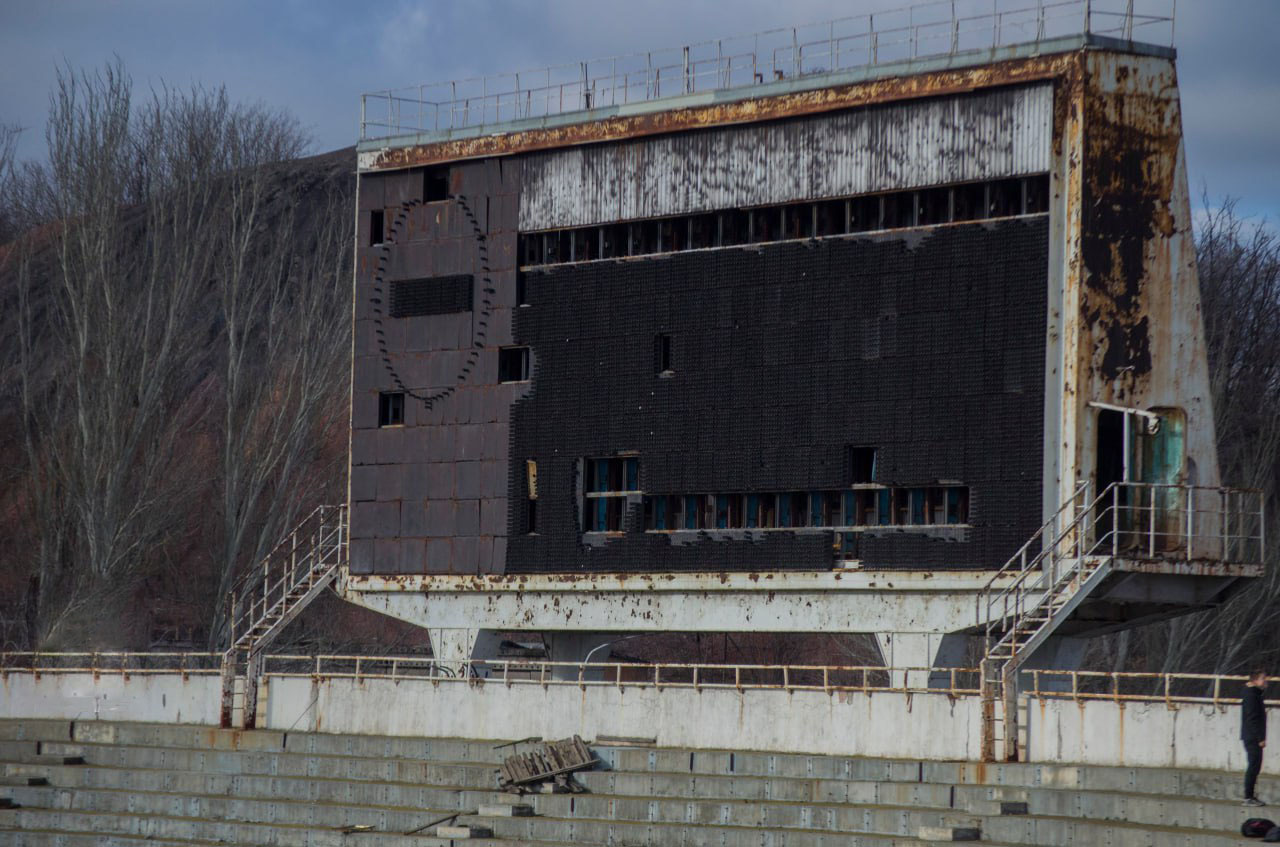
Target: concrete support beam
455,647
915,652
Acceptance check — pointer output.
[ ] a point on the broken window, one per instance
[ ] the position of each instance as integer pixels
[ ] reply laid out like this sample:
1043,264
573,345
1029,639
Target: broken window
899,210
606,485
435,184
862,465
864,214
376,219
522,288
833,218
391,408
513,364
730,227
531,249
1004,198
1037,195
797,220
933,206
969,201
735,227
703,232
662,354
586,244
613,241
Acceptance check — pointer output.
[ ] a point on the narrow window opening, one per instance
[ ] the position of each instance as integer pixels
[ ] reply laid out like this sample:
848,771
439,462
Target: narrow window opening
969,200
662,354
1037,194
522,288
513,364
391,408
376,218
531,489
435,184
1004,198
703,232
862,465
933,206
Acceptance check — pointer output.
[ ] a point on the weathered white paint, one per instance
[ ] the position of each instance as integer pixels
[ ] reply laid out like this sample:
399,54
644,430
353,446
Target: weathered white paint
890,724
779,601
1137,734
159,697
996,133
894,724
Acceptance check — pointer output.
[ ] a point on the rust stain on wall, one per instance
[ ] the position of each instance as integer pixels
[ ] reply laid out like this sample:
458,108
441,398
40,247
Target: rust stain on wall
1130,150
720,114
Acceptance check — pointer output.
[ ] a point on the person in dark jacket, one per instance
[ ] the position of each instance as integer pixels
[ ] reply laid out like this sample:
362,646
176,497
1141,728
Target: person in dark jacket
1253,732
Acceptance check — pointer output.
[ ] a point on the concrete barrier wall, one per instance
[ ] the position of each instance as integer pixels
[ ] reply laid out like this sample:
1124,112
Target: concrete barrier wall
158,698
886,724
1141,734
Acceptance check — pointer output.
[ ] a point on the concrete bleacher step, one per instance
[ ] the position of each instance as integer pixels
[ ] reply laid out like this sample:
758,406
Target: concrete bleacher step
133,828
651,797
828,790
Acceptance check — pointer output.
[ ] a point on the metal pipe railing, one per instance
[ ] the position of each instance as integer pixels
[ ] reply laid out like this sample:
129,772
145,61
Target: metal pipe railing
935,28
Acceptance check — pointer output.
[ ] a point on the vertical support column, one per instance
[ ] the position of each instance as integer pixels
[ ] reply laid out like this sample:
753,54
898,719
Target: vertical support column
575,648
913,654
252,676
457,650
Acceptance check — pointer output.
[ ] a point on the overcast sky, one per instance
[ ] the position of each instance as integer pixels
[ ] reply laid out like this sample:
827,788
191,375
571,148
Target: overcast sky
315,58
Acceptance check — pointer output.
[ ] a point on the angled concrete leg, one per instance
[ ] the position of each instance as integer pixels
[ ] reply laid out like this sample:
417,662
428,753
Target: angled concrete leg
575,647
460,652
911,654
1059,653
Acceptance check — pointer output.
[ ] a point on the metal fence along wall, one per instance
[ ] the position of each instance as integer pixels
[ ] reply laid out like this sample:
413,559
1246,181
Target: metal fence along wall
999,133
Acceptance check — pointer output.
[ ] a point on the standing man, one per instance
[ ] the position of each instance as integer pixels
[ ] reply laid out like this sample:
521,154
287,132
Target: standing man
1253,732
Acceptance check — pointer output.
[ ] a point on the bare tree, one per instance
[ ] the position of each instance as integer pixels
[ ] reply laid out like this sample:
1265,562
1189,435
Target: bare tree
117,294
283,282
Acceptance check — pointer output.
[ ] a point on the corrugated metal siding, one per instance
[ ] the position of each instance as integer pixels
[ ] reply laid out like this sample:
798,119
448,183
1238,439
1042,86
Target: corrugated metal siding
999,133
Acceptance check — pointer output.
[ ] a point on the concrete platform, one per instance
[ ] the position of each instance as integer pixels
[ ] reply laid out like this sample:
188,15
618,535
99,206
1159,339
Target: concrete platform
191,785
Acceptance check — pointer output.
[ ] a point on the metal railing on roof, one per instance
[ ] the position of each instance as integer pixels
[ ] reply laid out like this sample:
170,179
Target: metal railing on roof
932,29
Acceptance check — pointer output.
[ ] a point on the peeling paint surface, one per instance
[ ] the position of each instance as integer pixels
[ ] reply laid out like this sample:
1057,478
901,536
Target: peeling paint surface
997,133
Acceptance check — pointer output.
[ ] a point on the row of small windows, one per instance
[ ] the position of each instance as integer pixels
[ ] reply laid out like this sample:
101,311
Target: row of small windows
869,507
864,213
609,484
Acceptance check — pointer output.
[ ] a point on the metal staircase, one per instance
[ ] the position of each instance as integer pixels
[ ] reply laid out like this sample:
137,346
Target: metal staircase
268,598
1067,560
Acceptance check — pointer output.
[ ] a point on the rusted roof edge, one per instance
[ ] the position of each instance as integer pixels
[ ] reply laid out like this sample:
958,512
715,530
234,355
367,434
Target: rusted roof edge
819,94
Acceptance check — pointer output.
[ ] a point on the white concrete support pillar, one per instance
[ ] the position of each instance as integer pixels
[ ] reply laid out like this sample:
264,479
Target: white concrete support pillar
911,654
455,649
576,647
1059,653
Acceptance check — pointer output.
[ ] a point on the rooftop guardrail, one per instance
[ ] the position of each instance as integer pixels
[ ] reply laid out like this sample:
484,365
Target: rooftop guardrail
933,29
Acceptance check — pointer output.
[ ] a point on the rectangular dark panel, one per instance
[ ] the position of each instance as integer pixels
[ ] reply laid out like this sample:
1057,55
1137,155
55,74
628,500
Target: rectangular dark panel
437,295
927,348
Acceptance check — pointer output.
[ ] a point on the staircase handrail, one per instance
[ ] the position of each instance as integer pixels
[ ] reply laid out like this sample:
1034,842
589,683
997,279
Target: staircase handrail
1017,588
264,593
1019,561
254,573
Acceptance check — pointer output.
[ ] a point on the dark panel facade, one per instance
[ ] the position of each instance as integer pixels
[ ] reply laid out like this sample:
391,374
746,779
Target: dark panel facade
928,346
429,495
441,295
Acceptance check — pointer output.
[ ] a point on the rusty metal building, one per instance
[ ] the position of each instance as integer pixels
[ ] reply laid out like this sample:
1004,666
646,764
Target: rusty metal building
822,338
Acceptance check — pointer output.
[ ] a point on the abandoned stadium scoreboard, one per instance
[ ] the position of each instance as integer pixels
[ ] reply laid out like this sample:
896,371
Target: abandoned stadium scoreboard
815,352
